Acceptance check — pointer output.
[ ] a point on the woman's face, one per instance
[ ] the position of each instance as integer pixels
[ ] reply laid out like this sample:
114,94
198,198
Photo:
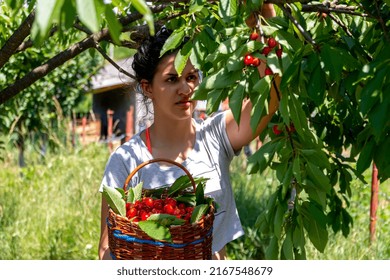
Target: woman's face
171,94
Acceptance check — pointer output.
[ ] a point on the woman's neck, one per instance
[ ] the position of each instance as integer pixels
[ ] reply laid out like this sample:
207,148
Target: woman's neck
166,132
173,140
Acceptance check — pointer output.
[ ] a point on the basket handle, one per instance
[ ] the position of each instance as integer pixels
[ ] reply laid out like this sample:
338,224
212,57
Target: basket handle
157,160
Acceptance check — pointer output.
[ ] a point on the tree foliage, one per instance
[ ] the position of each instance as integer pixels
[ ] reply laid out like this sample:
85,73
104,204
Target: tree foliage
334,111
40,108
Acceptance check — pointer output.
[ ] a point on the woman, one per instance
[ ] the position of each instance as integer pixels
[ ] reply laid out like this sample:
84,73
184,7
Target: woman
205,148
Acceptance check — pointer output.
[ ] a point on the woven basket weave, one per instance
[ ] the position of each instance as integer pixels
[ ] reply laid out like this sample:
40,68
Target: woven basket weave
189,241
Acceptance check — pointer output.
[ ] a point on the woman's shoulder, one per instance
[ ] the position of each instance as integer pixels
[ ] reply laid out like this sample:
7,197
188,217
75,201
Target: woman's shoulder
131,148
215,118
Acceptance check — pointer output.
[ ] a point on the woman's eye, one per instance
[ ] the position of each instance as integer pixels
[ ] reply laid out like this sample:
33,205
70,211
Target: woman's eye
172,79
192,78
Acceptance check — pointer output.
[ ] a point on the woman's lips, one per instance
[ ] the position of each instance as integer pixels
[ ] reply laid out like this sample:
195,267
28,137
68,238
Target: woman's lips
184,103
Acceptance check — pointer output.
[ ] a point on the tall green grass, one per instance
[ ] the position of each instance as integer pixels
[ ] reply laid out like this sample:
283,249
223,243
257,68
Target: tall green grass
51,210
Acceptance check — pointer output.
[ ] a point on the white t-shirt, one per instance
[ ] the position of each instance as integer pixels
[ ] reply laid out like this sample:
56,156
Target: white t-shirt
210,158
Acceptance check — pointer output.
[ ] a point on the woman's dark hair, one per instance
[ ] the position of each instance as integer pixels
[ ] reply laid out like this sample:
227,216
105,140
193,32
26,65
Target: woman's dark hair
148,55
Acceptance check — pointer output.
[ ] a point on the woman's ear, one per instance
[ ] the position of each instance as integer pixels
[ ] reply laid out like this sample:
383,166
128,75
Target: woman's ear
146,88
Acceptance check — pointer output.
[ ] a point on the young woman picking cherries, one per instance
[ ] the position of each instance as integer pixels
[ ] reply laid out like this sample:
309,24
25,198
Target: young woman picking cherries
205,148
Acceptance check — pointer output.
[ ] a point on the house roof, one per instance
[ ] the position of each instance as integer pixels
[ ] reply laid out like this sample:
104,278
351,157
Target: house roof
109,77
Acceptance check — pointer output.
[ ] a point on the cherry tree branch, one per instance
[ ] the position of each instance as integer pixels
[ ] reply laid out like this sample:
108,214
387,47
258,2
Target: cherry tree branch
110,60
12,44
304,33
64,56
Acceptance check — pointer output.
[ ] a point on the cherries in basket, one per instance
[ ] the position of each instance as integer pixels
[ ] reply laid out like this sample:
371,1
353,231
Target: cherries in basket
142,209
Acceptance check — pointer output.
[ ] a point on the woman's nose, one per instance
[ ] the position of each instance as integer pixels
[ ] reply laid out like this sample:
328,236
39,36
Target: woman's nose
185,88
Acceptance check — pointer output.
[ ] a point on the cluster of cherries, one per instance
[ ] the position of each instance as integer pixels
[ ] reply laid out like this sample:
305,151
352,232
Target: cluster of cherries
141,209
250,60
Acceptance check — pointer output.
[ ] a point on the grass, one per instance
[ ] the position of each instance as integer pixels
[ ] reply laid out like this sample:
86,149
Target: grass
51,210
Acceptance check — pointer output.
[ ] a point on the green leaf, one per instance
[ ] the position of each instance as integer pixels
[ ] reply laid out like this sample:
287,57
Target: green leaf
372,91
114,25
173,41
180,184
317,176
287,247
279,220
315,194
272,251
115,200
235,100
48,13
298,116
221,79
262,89
182,57
227,9
198,212
199,194
134,194
88,14
298,237
189,199
260,159
155,230
365,157
315,225
379,117
317,157
284,109
143,9
166,219
297,169
287,178
214,99
68,14
316,85
333,64
291,73
229,46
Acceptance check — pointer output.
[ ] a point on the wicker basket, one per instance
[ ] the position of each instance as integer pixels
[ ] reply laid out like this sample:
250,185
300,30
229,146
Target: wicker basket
189,241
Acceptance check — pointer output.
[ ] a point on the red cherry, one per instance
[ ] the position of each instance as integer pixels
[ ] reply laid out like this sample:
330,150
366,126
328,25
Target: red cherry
144,216
272,43
158,204
266,50
169,209
171,201
132,212
256,62
181,206
254,36
128,205
268,71
248,60
138,204
148,201
276,129
279,52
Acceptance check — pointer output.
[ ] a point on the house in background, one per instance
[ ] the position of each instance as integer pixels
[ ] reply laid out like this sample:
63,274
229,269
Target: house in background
114,99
